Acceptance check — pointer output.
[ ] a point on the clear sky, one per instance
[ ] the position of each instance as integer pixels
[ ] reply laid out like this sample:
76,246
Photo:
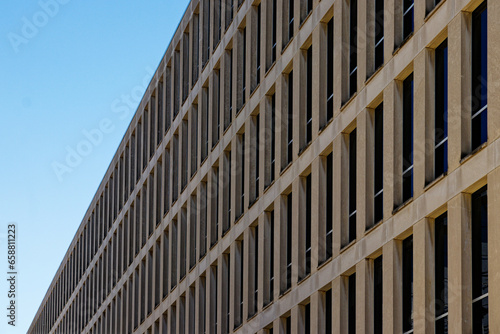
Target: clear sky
64,64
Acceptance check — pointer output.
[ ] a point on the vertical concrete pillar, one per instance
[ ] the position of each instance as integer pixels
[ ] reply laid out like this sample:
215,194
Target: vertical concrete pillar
364,309
459,57
364,167
423,278
389,172
459,266
392,288
493,247
419,117
493,60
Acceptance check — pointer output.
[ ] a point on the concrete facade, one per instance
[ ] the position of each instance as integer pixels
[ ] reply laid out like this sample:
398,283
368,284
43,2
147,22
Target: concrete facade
211,220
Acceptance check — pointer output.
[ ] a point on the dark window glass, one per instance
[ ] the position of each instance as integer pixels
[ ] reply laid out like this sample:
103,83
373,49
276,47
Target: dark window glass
352,304
328,312
290,18
329,205
308,225
243,67
353,45
288,325
271,258
407,18
307,319
441,272
274,39
408,284
408,138
441,111
479,76
289,241
330,72
259,22
290,117
257,154
309,96
229,12
377,295
273,136
352,185
242,175
379,164
379,33
255,269
479,227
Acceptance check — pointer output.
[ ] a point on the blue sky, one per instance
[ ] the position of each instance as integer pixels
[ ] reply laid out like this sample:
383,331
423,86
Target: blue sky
63,65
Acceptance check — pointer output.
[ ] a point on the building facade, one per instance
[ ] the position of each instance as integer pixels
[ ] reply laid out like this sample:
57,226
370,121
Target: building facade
301,167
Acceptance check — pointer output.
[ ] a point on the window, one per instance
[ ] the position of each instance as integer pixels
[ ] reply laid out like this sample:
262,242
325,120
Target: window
408,285
177,78
378,200
287,280
165,263
168,97
202,305
479,76
407,18
441,110
407,135
242,69
206,32
191,310
175,167
441,272
329,205
185,66
173,254
226,294
273,137
307,319
351,324
288,325
309,61
229,12
241,163
205,116
195,48
379,33
258,41
352,186
308,224
239,274
273,32
254,261
227,193
330,71
214,200
194,139
193,222
290,120
228,86
479,229
183,243
203,211
269,258
213,299
257,156
288,18
353,45
328,312
218,21
377,295
215,107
